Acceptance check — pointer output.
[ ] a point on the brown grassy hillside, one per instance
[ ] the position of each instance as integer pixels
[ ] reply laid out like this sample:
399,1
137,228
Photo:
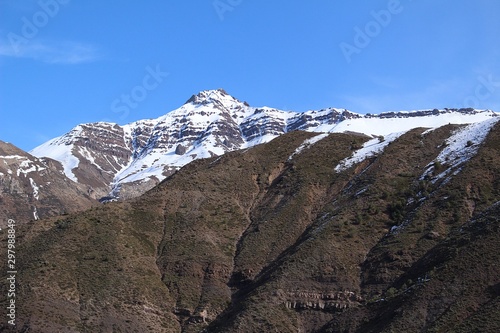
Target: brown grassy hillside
256,241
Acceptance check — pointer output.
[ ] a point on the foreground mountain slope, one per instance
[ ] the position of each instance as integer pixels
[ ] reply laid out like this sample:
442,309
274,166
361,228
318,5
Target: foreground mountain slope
127,160
328,233
33,188
347,259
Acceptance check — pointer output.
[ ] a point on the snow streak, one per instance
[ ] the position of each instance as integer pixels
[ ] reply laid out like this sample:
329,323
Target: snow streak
460,148
370,148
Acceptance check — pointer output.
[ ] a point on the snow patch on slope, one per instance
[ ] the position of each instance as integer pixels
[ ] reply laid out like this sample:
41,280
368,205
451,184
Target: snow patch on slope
12,157
62,153
460,148
386,126
88,156
35,189
259,140
152,165
26,167
35,214
370,148
307,144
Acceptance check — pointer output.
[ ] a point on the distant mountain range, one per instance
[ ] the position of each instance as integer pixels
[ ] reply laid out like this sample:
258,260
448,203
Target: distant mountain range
124,161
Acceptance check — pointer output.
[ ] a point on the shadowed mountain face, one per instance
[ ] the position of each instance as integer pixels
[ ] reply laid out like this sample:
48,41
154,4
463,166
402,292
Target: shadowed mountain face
306,233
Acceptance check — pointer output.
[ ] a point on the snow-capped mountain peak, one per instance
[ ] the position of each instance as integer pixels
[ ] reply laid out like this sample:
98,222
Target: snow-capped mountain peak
211,123
218,97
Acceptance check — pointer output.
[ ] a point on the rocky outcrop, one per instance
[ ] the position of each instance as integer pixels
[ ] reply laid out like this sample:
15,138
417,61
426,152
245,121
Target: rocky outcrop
333,301
180,149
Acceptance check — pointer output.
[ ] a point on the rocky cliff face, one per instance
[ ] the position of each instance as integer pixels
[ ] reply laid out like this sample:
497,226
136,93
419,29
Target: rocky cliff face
128,160
306,233
33,188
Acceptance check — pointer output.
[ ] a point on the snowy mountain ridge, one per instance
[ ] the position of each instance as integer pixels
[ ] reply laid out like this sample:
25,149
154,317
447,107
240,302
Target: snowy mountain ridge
144,152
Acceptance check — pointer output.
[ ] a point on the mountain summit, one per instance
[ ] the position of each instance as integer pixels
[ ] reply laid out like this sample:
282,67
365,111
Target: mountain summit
109,157
217,97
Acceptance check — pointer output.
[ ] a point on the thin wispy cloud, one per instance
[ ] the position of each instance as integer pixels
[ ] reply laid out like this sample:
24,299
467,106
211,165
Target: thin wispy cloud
51,52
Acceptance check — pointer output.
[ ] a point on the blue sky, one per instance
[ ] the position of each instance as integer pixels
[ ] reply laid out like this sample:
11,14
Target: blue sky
65,62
